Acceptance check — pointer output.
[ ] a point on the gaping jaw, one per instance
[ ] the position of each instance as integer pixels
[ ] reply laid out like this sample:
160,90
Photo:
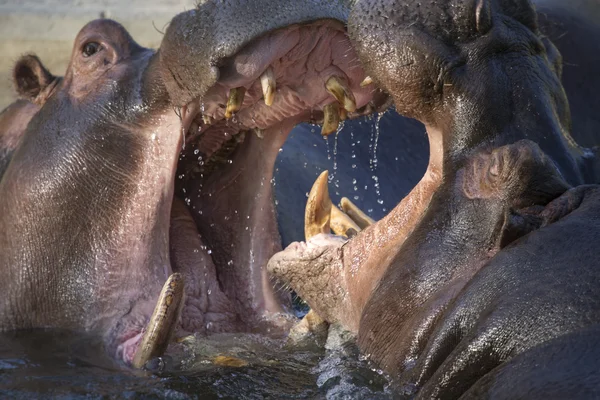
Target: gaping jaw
223,227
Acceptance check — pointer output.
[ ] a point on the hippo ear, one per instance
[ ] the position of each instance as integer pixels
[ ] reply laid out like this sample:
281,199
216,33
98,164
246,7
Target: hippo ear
483,16
523,11
31,78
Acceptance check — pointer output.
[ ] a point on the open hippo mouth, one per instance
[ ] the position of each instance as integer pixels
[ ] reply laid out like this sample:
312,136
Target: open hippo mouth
223,227
242,95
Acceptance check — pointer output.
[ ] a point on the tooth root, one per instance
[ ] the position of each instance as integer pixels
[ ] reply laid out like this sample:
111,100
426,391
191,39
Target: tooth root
341,224
331,118
318,208
342,92
162,323
208,120
366,82
234,103
267,81
357,215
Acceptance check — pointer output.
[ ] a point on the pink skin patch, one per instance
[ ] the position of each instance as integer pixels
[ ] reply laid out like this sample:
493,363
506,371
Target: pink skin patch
126,350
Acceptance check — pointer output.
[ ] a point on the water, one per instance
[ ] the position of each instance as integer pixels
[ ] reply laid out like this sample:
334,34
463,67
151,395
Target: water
59,365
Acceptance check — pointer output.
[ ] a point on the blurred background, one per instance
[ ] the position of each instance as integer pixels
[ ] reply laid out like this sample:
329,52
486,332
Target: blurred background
48,27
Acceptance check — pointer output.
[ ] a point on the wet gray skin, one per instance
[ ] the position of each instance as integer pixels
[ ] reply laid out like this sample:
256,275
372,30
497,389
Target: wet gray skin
462,275
93,223
106,283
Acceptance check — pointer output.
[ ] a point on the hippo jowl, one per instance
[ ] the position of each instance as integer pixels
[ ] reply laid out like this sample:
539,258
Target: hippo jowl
126,143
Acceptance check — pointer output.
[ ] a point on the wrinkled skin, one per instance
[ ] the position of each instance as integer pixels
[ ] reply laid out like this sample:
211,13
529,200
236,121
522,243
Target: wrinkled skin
201,58
90,229
463,274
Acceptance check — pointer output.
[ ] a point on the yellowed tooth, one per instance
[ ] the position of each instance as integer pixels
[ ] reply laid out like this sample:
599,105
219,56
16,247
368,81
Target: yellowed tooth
162,323
341,224
343,114
357,215
318,208
259,133
331,118
366,82
267,81
339,88
234,103
208,120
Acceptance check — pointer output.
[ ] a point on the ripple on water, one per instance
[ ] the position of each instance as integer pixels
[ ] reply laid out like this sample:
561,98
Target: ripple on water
58,365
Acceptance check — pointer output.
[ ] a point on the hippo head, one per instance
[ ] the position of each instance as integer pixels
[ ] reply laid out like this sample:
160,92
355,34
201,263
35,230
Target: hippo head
91,228
480,76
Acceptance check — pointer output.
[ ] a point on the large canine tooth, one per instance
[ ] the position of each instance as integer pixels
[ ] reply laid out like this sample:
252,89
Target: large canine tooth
341,224
318,208
342,92
357,215
234,103
366,82
162,323
267,81
331,119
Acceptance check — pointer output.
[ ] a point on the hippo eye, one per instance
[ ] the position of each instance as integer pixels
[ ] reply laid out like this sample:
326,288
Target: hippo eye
91,48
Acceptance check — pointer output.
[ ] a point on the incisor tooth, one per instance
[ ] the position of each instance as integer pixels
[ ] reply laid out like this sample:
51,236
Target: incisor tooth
234,103
331,118
267,81
342,92
318,208
207,119
341,224
366,82
357,215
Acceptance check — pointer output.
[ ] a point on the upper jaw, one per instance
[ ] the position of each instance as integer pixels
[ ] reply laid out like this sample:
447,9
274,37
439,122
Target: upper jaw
198,41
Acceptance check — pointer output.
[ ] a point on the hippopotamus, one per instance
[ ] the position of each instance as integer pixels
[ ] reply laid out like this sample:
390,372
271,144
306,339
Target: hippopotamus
104,227
179,146
488,265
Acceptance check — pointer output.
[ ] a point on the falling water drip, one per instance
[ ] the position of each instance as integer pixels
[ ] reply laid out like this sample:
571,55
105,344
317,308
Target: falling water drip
182,138
326,138
374,162
333,177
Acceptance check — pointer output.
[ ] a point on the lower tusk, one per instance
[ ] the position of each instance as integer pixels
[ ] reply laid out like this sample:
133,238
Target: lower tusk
311,325
234,103
342,224
162,323
317,214
331,119
357,215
